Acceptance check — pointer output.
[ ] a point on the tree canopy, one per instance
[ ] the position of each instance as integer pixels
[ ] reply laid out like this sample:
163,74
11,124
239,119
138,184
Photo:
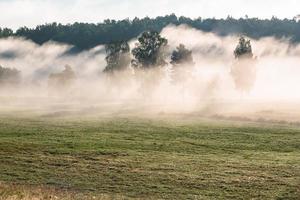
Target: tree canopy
244,71
86,35
6,32
118,56
181,56
149,51
243,49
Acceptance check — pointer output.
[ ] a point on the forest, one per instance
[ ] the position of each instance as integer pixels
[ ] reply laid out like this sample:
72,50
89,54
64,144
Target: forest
88,35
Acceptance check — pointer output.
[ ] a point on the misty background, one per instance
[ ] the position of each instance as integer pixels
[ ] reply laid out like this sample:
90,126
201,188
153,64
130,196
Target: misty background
46,41
208,86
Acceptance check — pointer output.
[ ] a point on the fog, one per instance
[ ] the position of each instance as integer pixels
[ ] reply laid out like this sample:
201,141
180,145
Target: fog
216,85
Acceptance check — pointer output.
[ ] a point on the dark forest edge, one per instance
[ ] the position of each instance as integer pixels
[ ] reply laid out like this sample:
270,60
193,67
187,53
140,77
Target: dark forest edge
87,35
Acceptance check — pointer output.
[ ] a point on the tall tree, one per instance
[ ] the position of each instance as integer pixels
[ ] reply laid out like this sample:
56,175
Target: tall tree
181,56
118,56
150,50
243,71
243,49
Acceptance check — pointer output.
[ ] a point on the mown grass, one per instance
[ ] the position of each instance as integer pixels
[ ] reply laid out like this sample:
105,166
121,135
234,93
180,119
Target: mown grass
134,157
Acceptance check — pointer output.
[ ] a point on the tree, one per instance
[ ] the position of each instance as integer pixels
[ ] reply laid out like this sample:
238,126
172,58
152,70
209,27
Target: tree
181,56
244,71
6,32
243,49
9,76
118,56
149,51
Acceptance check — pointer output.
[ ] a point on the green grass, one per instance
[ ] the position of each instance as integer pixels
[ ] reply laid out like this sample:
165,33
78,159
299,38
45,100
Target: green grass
167,158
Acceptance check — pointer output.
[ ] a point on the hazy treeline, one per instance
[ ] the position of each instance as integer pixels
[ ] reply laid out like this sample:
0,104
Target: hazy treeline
86,36
147,60
179,69
151,51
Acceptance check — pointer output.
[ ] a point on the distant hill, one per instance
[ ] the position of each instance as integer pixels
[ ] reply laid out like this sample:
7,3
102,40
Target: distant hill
86,35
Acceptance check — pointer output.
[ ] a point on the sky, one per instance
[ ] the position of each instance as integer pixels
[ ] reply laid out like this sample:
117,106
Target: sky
17,13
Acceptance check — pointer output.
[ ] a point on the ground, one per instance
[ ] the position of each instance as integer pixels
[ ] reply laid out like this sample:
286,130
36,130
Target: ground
63,155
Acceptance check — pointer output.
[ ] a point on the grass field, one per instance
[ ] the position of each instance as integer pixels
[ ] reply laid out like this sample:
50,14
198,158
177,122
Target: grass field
120,157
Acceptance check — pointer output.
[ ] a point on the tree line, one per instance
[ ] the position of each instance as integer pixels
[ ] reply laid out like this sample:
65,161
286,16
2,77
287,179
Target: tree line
88,35
150,51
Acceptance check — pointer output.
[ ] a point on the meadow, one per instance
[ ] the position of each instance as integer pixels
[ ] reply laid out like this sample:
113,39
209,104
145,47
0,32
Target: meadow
73,155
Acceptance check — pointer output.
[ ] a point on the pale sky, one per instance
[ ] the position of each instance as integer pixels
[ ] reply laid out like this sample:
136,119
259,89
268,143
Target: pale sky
16,13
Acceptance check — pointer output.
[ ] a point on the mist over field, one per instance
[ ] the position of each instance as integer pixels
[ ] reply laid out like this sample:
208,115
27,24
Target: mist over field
215,85
111,99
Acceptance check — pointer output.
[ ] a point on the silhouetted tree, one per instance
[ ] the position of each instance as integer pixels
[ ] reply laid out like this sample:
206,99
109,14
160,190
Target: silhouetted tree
181,56
118,56
149,51
6,32
244,71
243,49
